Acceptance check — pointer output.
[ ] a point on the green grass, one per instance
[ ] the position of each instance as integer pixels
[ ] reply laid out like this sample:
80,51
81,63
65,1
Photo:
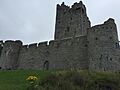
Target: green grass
16,80
60,80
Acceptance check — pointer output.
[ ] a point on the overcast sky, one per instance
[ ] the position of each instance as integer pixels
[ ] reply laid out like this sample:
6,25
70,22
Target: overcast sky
33,21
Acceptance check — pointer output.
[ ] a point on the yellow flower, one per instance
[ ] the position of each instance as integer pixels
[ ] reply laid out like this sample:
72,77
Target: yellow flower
32,78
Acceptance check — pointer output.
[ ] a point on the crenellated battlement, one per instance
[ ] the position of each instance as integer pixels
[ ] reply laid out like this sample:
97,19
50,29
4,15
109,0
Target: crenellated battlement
63,6
110,21
78,6
25,46
1,42
34,45
43,44
75,6
11,42
52,43
18,42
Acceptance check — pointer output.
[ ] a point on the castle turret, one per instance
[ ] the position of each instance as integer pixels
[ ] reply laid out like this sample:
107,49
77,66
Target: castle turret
103,47
10,54
71,21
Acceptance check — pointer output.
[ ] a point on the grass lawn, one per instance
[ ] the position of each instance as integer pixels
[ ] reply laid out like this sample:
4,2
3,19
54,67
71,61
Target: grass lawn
60,80
16,79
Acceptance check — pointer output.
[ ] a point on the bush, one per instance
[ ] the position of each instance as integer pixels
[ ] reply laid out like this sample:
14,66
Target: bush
81,80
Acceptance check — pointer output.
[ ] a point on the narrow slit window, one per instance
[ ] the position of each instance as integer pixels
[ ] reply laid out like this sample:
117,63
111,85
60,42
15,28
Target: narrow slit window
68,29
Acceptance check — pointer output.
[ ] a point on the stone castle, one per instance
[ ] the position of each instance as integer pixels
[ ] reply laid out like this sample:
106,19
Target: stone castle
76,45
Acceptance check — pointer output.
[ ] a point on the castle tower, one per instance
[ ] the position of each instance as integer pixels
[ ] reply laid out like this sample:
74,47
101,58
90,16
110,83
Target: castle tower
103,47
71,21
9,54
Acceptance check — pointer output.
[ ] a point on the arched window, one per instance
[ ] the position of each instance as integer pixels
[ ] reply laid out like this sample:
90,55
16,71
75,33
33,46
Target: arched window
46,65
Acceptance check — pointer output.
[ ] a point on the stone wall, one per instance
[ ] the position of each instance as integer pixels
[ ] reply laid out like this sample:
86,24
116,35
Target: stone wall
33,56
103,47
59,54
69,53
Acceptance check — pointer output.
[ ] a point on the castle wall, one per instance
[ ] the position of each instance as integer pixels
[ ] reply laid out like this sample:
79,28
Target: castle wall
10,54
102,46
69,53
59,54
33,56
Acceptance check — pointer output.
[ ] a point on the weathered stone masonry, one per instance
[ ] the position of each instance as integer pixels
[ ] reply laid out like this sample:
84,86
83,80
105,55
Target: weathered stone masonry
77,45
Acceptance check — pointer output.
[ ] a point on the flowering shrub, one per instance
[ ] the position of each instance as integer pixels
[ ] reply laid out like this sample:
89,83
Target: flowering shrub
32,83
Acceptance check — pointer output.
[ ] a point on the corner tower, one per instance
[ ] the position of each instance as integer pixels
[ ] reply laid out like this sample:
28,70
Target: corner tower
10,54
71,21
103,47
